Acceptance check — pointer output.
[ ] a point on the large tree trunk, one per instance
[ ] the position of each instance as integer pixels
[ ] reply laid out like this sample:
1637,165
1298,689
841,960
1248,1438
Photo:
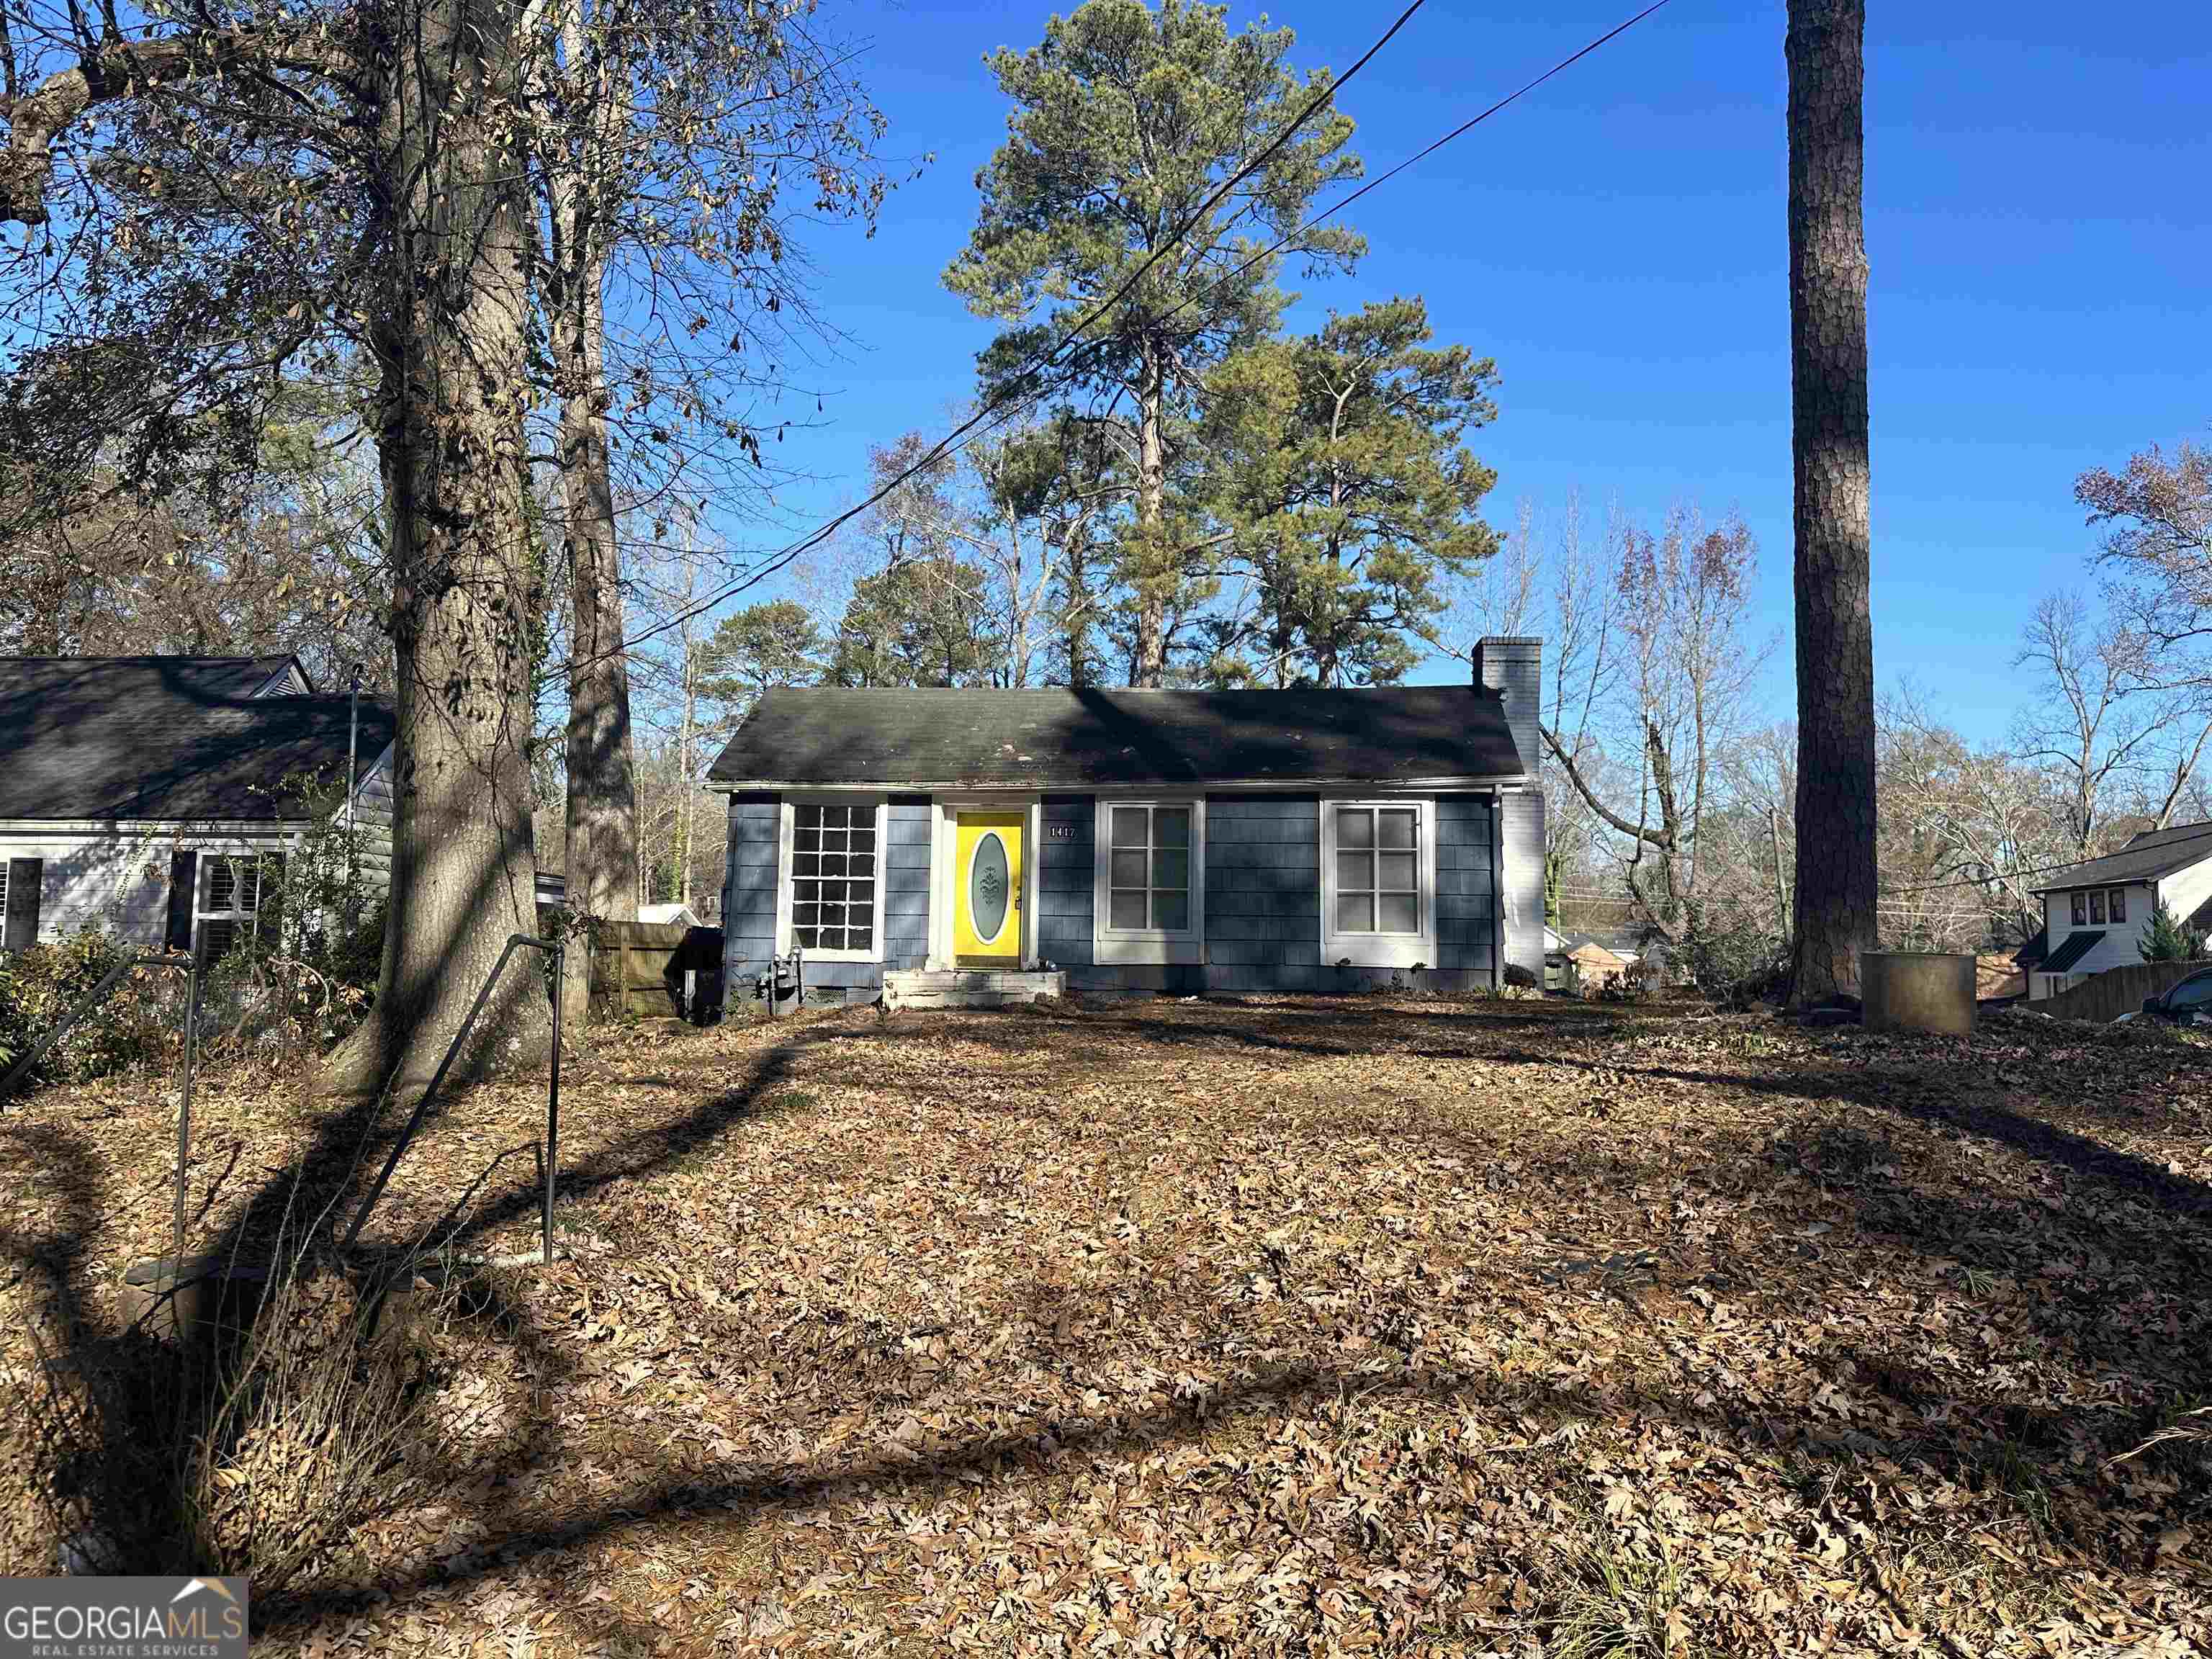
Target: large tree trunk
602,802
1836,879
602,857
1148,654
449,342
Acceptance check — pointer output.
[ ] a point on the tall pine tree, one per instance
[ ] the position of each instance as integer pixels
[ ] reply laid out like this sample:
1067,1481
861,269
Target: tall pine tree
1125,120
1339,469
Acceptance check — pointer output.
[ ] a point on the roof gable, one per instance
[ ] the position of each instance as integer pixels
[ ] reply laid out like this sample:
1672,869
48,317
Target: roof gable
169,738
2149,857
1063,738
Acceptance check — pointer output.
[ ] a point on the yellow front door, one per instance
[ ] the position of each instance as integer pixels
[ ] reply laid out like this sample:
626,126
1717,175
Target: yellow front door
987,898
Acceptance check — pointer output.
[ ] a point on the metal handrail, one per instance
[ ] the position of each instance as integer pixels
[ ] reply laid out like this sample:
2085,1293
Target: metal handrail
556,948
92,999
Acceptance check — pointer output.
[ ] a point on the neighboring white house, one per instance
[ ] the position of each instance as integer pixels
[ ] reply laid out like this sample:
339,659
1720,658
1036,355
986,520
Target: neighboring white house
2095,915
140,794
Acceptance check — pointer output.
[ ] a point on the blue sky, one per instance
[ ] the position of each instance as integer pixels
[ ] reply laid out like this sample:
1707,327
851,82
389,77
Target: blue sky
2039,234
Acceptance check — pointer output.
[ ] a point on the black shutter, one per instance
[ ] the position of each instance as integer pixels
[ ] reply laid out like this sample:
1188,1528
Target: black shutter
21,927
184,882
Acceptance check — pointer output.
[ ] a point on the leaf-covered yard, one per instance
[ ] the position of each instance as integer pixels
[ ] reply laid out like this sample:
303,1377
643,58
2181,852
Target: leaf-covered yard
1300,1327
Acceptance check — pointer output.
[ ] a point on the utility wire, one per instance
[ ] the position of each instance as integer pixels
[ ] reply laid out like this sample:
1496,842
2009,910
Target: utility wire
1013,391
1016,384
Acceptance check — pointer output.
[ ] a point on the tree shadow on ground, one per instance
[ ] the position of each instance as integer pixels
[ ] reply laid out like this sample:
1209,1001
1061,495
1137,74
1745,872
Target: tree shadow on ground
1959,1427
2179,1195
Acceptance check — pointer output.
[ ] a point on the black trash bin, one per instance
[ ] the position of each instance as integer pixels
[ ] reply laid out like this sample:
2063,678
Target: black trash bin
694,975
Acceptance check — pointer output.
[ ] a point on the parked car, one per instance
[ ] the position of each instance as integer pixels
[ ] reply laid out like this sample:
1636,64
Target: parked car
2188,1002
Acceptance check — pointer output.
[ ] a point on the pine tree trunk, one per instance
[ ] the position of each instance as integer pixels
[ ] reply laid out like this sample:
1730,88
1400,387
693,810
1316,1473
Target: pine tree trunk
1836,879
450,344
1149,650
1076,621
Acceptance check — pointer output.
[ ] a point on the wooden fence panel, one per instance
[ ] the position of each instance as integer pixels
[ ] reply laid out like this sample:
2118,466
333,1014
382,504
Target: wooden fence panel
2117,991
629,960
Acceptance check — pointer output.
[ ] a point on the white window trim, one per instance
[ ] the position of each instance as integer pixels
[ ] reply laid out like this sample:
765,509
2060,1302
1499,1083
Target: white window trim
944,875
786,937
1379,949
245,921
1146,945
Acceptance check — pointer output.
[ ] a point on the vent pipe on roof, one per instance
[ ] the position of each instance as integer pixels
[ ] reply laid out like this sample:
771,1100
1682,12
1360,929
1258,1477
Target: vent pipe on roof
1514,666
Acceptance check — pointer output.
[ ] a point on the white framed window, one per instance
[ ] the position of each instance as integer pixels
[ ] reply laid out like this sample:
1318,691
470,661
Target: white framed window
1378,879
234,890
1149,905
830,888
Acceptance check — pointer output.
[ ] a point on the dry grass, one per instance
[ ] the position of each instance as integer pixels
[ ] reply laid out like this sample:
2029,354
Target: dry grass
1301,1327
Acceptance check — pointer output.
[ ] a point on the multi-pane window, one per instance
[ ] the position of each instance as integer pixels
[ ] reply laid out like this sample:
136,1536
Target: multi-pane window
2119,903
1379,869
1148,869
2080,909
2097,909
833,876
231,894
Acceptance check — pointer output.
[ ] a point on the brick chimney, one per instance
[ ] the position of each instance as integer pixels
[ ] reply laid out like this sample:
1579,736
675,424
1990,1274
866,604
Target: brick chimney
1515,666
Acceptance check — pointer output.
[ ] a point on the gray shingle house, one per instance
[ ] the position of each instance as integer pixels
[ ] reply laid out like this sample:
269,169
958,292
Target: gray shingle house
140,794
929,846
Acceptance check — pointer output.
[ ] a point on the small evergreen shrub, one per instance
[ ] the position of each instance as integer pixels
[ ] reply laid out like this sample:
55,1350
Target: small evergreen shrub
2167,940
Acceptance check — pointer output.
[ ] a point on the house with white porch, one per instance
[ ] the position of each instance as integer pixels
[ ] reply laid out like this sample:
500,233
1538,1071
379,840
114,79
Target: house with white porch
2095,915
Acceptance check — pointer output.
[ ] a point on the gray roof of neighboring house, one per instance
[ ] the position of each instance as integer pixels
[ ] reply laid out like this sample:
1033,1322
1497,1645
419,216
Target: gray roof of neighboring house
2077,946
167,739
1085,738
2153,854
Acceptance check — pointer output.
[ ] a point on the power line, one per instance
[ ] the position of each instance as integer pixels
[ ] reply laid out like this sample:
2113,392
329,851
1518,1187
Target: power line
1014,386
1012,391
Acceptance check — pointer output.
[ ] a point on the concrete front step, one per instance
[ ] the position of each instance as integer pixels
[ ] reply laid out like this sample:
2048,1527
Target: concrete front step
968,987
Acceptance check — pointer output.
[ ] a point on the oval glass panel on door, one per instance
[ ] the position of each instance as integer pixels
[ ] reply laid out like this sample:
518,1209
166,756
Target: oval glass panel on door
987,896
986,887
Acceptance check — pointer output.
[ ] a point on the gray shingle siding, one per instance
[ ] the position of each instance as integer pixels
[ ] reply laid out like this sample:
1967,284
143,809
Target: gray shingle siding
906,841
1066,883
749,941
1465,916
1263,902
748,901
1262,893
1262,860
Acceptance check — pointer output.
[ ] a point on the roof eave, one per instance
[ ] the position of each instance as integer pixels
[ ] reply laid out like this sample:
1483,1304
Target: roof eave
2086,880
1093,785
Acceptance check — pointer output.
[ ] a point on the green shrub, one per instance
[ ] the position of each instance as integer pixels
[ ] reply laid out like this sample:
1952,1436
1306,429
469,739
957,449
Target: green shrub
39,986
2167,940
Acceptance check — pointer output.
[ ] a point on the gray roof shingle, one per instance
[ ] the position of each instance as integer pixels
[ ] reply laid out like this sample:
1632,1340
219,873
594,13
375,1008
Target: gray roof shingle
1082,739
2153,854
166,738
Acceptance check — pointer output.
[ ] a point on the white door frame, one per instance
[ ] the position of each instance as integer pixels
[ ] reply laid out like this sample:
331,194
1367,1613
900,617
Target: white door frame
943,862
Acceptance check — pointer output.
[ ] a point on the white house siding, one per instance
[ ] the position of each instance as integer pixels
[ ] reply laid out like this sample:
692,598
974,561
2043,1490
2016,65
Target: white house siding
372,797
2186,889
2117,949
2121,947
117,880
